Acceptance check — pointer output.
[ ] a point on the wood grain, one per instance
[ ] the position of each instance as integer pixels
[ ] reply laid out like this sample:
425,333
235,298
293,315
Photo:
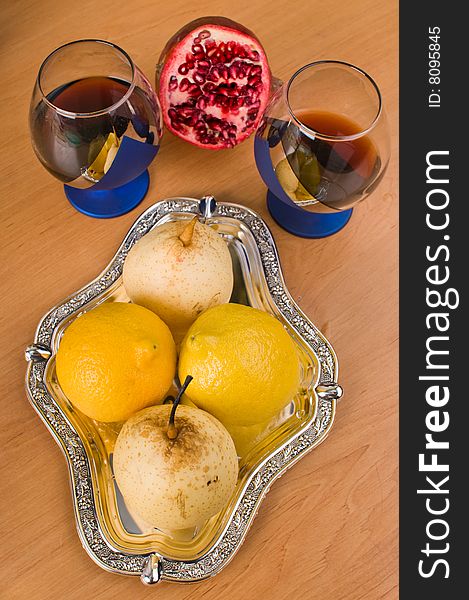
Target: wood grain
328,528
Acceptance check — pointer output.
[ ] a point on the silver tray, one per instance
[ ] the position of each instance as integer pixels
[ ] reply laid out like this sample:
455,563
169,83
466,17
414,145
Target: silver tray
110,535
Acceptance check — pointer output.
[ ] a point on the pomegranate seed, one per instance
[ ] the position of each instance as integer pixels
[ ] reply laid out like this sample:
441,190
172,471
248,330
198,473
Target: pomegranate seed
231,46
211,99
172,113
178,126
173,83
234,71
197,49
199,77
202,102
194,90
211,51
225,73
204,34
255,69
186,112
203,65
259,87
184,84
183,69
246,69
209,86
254,80
254,55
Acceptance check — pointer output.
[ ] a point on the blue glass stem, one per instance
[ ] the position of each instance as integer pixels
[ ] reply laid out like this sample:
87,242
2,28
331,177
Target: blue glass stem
303,223
105,204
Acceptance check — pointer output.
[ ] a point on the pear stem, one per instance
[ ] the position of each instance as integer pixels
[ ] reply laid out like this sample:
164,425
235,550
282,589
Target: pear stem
172,432
188,232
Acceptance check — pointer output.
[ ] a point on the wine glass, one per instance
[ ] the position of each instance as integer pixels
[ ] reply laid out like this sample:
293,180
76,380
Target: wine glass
321,147
95,125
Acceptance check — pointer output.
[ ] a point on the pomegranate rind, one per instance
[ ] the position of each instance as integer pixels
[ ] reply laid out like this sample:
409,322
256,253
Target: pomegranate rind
224,103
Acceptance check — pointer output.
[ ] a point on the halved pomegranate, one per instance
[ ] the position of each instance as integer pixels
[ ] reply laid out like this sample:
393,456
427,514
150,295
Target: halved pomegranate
213,81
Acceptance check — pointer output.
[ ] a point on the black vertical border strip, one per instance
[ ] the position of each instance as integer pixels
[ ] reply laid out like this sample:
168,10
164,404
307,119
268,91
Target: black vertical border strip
424,129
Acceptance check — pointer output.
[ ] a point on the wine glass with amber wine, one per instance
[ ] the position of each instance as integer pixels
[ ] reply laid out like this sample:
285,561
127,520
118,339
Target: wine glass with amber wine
322,147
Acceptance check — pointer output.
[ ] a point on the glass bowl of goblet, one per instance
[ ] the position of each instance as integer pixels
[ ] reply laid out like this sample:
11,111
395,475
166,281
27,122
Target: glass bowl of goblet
95,125
321,147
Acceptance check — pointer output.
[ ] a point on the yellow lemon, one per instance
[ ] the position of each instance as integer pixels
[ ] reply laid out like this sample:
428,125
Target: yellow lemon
115,360
244,364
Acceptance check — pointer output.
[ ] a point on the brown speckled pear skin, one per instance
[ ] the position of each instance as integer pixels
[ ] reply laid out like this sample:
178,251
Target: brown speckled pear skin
180,483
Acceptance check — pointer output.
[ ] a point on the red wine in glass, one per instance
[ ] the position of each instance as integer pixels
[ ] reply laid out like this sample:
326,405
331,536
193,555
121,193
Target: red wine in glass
95,133
83,139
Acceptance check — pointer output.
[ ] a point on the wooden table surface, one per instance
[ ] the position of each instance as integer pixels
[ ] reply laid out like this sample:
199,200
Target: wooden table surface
328,528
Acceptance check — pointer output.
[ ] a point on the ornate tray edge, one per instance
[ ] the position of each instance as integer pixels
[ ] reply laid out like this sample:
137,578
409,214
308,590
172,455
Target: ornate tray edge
152,567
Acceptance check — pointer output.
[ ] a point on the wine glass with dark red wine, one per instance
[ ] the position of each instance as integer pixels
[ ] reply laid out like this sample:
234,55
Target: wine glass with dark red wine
321,147
96,125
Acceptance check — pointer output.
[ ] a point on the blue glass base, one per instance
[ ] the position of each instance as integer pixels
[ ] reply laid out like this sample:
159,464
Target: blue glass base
303,223
104,204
